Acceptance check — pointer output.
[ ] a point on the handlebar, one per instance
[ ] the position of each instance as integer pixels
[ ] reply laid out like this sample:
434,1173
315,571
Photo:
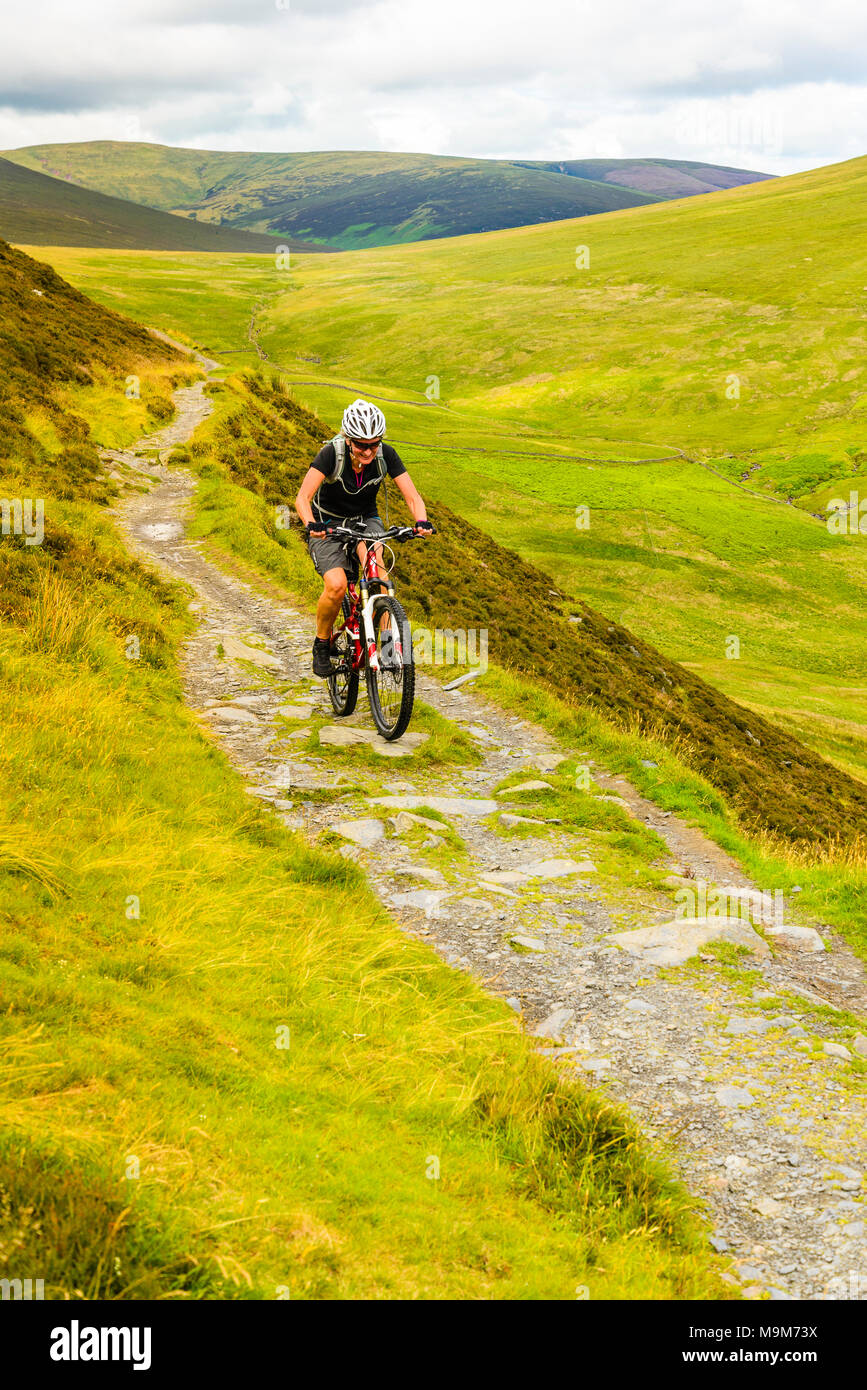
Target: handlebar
394,533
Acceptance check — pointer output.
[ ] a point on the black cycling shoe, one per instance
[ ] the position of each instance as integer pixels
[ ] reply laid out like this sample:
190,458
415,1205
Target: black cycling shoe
322,657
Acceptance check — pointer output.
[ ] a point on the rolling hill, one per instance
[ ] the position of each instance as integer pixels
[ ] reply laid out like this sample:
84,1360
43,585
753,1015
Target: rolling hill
351,199
661,179
39,210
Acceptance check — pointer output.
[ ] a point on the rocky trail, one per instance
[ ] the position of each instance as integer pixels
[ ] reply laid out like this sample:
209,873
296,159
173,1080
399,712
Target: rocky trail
745,1068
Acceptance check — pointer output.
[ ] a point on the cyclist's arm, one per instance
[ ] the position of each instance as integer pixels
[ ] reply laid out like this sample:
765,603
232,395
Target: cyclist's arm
310,485
411,496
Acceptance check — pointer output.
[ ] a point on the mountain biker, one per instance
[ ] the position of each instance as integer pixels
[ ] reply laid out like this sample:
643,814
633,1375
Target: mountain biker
339,489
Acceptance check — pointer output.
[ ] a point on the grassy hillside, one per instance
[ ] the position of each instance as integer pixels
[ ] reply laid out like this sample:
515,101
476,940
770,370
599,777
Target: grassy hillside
349,199
630,360
39,210
467,581
761,282
726,328
55,343
162,938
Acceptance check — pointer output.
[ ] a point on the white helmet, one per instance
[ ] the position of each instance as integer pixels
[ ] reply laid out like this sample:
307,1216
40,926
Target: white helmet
361,420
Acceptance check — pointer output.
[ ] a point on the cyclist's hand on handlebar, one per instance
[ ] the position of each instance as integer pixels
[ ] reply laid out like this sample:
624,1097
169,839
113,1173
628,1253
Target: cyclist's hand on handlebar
316,529
423,528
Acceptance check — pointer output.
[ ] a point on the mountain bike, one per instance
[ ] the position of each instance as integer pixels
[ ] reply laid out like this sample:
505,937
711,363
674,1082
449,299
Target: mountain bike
372,631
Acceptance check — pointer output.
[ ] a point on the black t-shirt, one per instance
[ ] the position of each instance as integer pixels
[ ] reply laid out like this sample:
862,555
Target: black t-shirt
355,493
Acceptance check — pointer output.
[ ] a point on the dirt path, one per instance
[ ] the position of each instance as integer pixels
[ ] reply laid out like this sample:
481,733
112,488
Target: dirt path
757,1090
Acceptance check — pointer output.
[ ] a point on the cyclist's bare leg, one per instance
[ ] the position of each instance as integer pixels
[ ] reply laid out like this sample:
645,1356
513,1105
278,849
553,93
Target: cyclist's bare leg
334,587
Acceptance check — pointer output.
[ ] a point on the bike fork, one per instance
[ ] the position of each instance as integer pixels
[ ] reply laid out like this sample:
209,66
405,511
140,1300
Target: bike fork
367,602
367,626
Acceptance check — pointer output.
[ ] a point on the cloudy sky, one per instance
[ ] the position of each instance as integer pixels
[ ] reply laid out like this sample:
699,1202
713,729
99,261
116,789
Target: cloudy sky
774,85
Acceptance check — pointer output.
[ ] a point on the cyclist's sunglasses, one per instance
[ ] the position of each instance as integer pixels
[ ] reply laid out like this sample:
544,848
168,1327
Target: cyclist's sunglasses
365,445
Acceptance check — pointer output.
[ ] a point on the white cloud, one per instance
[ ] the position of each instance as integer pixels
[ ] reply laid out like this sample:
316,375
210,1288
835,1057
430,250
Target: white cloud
774,87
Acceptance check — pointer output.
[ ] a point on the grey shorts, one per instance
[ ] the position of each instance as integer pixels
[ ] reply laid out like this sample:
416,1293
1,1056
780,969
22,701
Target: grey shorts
332,553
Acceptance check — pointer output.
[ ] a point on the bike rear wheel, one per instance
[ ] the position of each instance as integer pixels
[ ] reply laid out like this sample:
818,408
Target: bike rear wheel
343,685
391,688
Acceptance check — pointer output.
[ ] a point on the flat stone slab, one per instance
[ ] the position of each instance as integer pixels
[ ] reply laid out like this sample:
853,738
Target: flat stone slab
548,762
239,651
796,938
470,904
600,1065
670,880
365,832
345,736
671,943
405,820
540,868
743,1027
557,868
553,1025
420,871
811,997
509,821
228,715
497,888
734,1096
446,805
295,711
534,785
768,1207
426,900
529,943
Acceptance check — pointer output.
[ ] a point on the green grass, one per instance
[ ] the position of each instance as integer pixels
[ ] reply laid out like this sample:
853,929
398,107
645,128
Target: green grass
760,281
175,293
142,1004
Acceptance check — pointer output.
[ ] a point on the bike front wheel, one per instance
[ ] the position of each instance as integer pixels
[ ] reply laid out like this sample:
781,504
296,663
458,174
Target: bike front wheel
391,687
343,684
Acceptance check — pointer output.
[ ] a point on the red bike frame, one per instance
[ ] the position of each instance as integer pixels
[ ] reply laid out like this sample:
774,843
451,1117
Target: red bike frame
360,619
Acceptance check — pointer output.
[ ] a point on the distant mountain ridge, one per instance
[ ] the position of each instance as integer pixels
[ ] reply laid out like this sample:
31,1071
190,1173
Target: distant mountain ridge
344,200
663,179
39,210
